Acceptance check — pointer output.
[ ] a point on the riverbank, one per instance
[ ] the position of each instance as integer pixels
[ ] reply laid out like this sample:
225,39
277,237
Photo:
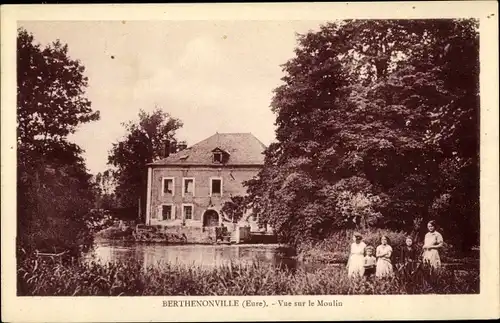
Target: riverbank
129,234
334,250
176,235
46,277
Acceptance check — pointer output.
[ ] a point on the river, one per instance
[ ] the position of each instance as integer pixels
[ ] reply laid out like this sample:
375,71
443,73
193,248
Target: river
210,256
207,256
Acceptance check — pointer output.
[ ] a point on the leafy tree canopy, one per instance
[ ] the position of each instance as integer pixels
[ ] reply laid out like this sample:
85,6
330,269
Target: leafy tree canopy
376,120
51,100
143,144
235,208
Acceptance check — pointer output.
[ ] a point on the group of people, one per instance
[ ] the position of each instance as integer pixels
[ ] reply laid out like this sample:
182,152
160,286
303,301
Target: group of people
363,261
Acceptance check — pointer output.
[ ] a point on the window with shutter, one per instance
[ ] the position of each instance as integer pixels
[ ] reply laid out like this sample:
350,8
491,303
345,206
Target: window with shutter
167,212
216,186
168,186
187,210
188,187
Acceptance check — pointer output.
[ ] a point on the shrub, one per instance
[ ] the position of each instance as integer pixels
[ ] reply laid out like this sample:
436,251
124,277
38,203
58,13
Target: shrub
336,247
115,233
396,239
53,209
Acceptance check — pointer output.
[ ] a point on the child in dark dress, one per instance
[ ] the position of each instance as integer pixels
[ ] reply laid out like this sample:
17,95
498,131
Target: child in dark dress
409,257
369,262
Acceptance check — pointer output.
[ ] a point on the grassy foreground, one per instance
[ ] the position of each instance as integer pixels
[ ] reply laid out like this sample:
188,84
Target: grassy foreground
37,277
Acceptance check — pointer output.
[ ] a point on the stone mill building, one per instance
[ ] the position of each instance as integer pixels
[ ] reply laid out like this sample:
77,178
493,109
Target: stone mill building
188,188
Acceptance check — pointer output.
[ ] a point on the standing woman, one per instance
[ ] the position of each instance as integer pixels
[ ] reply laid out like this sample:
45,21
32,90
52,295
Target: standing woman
355,265
384,253
433,241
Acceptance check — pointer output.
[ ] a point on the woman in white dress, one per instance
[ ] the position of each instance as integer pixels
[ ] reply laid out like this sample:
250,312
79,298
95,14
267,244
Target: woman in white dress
432,242
355,265
383,254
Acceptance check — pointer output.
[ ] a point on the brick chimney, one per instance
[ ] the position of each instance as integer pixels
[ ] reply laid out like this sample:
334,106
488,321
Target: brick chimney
166,148
181,146
173,147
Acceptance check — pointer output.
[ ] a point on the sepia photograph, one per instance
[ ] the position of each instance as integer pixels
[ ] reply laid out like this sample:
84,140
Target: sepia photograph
248,158
372,177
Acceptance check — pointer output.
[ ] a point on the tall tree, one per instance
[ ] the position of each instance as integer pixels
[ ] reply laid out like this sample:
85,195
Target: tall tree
105,190
360,121
54,189
455,126
50,93
143,144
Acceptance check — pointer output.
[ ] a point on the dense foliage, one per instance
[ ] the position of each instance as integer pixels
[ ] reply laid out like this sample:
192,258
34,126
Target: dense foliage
54,191
105,190
143,144
235,208
377,126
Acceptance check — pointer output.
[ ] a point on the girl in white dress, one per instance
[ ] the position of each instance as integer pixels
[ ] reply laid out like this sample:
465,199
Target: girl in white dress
355,265
432,242
383,254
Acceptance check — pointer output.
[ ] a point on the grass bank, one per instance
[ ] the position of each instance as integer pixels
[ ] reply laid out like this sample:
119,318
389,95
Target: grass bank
37,277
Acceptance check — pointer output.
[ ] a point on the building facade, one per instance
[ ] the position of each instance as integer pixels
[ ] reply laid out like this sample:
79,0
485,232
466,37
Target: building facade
189,188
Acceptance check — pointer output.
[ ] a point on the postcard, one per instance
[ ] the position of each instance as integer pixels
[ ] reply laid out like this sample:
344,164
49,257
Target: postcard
215,162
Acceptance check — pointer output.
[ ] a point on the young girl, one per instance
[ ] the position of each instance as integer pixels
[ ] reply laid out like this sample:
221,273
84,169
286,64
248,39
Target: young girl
384,252
355,265
408,257
370,262
432,242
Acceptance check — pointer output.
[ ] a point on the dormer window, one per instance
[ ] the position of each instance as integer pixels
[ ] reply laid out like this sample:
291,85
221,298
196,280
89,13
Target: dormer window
220,156
217,157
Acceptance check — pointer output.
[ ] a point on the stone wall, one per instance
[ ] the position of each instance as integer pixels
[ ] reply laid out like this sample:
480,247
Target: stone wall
193,234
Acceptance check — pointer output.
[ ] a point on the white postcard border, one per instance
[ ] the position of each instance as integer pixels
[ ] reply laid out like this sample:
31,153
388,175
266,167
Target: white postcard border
104,309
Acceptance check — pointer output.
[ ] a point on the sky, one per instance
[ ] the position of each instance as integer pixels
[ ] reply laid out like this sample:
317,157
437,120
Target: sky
214,76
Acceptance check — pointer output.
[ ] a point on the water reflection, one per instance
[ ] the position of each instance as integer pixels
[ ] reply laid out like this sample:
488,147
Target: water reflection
207,256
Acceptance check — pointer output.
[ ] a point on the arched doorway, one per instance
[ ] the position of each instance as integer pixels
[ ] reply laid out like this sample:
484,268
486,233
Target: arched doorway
210,218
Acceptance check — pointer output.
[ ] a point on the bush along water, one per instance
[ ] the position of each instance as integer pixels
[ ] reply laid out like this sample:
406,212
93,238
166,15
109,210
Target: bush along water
42,277
335,248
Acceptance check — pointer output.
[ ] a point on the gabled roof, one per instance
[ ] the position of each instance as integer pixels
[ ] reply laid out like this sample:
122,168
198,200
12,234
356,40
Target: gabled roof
243,149
217,149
